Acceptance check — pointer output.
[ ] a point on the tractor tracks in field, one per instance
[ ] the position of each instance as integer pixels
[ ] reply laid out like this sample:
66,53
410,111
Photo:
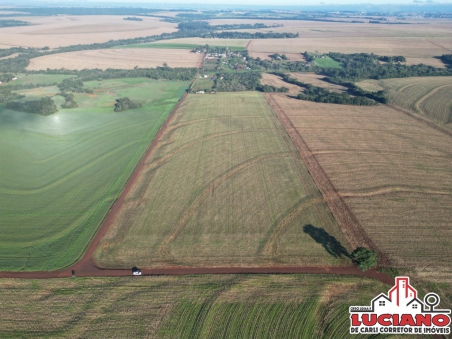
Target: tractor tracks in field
352,230
194,206
85,267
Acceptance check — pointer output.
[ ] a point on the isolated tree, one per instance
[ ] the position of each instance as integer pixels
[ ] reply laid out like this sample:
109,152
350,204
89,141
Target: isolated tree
364,259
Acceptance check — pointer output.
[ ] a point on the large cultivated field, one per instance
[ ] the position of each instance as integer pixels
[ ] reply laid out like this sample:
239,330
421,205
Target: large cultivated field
418,43
65,30
431,96
224,187
393,171
123,58
61,173
226,306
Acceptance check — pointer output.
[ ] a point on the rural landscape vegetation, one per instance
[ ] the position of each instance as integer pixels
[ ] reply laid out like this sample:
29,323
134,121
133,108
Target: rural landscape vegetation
262,169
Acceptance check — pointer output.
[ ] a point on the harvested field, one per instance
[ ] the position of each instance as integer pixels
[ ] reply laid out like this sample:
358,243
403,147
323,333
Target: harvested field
416,50
209,306
430,96
393,171
117,58
65,30
418,43
224,188
274,80
61,173
426,61
316,80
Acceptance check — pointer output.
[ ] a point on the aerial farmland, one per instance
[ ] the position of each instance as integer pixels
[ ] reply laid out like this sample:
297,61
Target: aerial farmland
221,173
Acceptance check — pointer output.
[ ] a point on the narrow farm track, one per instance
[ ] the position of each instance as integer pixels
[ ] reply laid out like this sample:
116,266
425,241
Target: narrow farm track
350,226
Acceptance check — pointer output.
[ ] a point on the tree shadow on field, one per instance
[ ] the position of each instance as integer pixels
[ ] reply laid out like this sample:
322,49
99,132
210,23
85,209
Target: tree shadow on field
329,243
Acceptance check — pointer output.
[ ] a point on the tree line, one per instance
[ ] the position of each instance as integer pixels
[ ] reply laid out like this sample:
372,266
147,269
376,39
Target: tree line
123,104
319,94
69,100
43,106
12,23
446,58
73,85
360,66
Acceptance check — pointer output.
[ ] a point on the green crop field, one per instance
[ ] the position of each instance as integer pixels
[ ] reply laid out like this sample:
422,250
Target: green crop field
225,187
39,79
177,46
218,306
326,61
202,84
430,96
60,173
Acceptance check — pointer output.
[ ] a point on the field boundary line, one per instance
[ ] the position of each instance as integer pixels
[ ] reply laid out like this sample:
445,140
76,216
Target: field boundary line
351,228
421,119
438,45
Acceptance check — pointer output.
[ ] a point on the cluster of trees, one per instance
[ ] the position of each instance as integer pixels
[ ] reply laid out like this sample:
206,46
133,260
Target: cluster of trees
364,258
247,35
12,23
194,26
133,18
234,82
392,59
243,26
69,100
319,94
446,58
44,106
280,66
158,73
6,77
73,85
6,95
366,66
272,89
277,56
123,104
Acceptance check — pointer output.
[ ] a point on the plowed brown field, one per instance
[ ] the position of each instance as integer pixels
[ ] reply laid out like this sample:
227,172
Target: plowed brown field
126,58
56,31
418,43
393,171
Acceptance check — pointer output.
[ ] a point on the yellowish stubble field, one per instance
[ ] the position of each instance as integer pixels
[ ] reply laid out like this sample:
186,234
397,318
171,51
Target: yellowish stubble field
123,58
225,187
418,43
393,171
65,30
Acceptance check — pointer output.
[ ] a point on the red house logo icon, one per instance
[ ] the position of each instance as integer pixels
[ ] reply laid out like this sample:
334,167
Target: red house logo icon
400,312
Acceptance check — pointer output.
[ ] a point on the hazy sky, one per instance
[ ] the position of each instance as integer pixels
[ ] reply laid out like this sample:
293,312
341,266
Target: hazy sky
237,2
